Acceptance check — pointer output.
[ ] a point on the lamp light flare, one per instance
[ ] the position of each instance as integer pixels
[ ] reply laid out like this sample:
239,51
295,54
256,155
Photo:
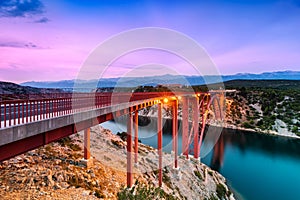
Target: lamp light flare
166,100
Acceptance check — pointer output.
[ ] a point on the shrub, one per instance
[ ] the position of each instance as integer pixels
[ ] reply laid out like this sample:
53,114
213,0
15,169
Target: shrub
221,191
247,125
198,174
143,192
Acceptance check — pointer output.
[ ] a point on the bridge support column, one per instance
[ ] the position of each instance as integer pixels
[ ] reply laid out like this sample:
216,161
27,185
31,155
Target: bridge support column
129,149
204,110
87,159
159,144
136,133
196,126
175,132
222,103
185,126
87,143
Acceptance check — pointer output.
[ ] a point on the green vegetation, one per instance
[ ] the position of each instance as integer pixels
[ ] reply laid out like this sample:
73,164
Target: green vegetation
166,179
198,174
122,135
264,84
158,88
248,125
212,198
139,192
210,172
221,191
278,99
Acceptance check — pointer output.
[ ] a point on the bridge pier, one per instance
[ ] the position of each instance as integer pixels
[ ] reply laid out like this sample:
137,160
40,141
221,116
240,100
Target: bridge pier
175,132
129,149
196,126
185,126
87,159
204,116
136,140
87,143
159,144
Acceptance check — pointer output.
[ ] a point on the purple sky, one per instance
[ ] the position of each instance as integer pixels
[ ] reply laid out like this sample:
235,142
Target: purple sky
50,39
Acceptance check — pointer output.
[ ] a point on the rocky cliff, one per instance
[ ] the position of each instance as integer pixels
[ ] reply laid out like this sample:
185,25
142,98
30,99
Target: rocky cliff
55,172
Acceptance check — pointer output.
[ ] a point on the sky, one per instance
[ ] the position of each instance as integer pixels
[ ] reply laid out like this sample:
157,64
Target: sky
49,40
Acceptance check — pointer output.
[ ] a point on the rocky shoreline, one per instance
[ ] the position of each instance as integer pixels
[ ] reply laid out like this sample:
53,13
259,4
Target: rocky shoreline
257,131
55,172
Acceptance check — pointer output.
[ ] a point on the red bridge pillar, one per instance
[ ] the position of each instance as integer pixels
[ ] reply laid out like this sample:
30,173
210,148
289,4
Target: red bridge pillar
175,132
87,139
196,126
159,146
87,159
185,126
136,140
129,149
204,108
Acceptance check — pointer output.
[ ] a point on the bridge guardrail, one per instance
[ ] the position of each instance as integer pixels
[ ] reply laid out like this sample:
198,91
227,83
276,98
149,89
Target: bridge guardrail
15,112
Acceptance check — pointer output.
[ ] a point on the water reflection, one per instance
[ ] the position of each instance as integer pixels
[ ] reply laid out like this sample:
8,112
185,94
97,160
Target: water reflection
218,154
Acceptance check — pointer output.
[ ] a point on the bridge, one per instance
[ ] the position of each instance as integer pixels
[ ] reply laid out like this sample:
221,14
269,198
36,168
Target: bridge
37,120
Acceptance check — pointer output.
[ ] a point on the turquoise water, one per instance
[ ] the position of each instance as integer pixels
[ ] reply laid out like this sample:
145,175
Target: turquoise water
256,166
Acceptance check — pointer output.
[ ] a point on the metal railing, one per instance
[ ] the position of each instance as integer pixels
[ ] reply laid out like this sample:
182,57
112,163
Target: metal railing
35,108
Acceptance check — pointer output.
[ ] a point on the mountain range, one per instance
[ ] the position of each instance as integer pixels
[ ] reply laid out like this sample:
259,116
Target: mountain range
164,80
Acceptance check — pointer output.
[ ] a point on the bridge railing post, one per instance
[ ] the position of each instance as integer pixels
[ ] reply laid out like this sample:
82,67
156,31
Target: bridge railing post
5,114
9,114
15,112
1,114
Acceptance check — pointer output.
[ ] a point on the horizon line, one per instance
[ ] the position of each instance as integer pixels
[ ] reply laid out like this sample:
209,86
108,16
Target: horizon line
186,75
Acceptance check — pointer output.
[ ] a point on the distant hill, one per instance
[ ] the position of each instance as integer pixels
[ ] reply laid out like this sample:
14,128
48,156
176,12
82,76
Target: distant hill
12,88
14,91
275,84
165,79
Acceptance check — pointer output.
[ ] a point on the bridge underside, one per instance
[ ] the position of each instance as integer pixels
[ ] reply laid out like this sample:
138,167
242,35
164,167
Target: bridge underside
20,139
